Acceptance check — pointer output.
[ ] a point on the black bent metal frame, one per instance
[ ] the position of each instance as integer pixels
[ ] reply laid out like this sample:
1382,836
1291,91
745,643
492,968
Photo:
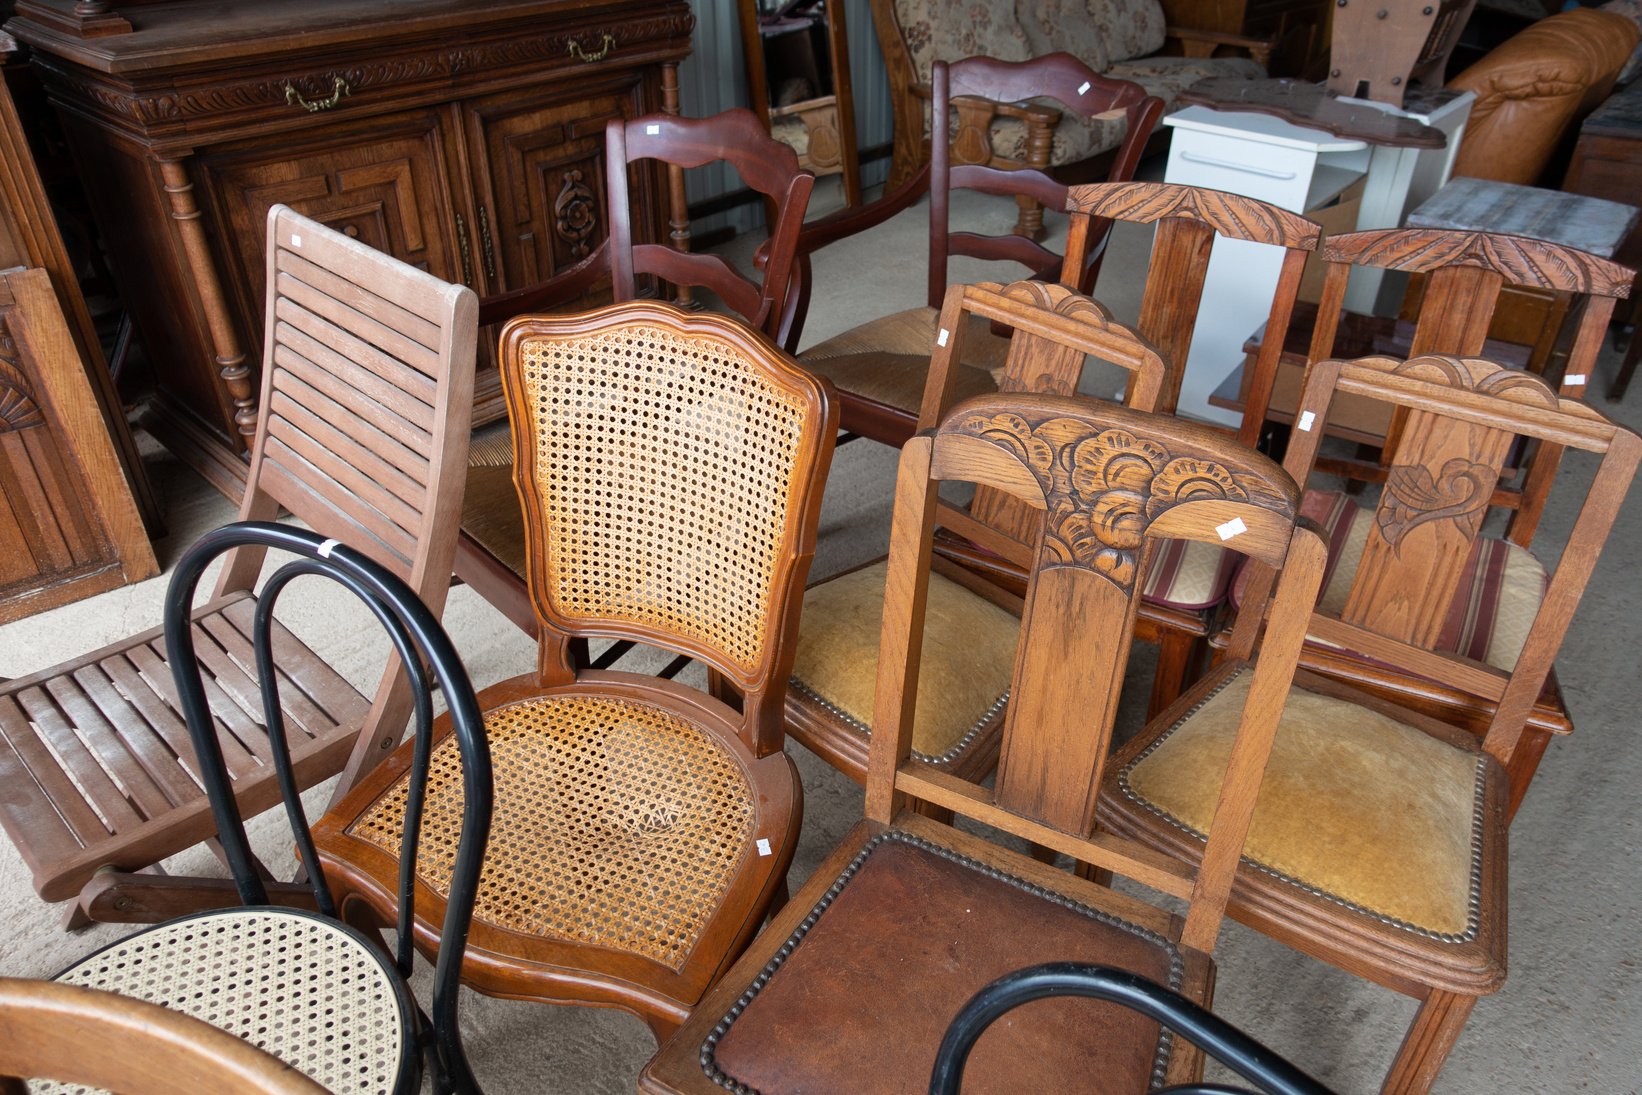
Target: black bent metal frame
416,635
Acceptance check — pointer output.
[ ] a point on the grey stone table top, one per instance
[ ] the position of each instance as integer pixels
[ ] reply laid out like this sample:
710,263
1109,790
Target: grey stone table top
1572,220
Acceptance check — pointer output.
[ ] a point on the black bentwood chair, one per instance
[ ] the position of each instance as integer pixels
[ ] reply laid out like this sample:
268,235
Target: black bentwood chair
297,982
1222,1041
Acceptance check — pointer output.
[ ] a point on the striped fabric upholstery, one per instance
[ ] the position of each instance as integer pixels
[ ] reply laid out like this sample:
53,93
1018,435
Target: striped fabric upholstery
1190,575
1499,594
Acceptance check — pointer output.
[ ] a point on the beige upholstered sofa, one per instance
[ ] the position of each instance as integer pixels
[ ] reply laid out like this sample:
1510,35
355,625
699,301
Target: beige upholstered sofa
1120,39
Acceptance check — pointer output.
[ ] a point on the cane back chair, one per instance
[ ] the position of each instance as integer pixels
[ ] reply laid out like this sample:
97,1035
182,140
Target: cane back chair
490,555
974,618
289,977
671,468
1380,844
367,383
880,367
909,917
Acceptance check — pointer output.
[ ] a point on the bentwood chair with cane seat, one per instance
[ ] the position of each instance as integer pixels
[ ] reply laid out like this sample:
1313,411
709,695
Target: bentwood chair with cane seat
671,468
367,385
490,555
292,979
880,367
974,623
1465,274
852,985
75,1035
1380,840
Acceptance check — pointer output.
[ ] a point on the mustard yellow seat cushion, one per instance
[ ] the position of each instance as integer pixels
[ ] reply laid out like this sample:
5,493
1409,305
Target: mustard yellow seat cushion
968,656
1362,808
887,359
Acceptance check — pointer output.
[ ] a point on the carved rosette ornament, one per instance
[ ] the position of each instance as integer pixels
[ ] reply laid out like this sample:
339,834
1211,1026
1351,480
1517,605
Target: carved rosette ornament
575,213
1103,490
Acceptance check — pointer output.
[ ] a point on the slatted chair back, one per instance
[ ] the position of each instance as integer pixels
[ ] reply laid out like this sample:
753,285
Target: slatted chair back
1189,219
1465,273
1463,416
677,508
1110,481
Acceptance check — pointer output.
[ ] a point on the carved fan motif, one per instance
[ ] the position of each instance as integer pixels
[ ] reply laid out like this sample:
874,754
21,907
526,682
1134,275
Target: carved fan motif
1227,214
1102,490
18,410
1520,261
1413,497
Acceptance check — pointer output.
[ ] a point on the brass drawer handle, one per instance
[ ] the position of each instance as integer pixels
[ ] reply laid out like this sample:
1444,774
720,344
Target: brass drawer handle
486,246
580,54
462,245
339,88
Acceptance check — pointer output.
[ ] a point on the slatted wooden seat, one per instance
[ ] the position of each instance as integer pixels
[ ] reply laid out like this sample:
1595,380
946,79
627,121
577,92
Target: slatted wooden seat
366,387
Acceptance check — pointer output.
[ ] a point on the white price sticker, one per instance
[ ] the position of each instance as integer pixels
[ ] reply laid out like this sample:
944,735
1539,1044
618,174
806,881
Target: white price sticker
1306,419
652,130
764,847
940,339
327,547
1084,90
1574,378
1234,527
296,241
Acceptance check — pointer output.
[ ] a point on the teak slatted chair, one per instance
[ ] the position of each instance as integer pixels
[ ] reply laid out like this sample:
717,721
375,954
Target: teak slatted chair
288,976
880,367
103,1040
1465,273
974,621
490,555
909,917
367,384
671,467
1380,841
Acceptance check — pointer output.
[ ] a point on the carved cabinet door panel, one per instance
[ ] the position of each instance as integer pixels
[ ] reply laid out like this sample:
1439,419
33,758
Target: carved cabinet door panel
381,181
537,168
69,527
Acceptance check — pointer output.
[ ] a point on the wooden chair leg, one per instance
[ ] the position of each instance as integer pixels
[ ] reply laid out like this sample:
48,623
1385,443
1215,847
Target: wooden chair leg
1177,652
1426,1046
1525,762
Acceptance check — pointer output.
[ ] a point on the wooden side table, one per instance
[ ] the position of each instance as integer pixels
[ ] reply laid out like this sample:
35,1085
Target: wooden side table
1607,163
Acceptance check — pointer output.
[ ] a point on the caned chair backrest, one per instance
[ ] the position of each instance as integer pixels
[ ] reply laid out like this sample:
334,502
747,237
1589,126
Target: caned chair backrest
1188,220
1463,416
670,467
1110,483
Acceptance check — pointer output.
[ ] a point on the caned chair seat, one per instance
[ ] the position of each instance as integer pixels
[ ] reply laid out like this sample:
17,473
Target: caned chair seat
916,928
490,506
969,650
619,824
307,989
887,360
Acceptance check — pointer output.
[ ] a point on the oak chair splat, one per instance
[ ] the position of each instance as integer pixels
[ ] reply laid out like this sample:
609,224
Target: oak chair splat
1382,833
909,917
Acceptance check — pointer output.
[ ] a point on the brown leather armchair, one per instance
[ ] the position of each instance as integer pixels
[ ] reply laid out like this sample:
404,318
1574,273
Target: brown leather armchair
1535,88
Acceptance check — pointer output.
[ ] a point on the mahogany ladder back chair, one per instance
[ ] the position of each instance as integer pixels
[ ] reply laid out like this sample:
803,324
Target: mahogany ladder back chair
974,624
491,553
671,467
880,367
77,1035
367,384
1380,843
909,917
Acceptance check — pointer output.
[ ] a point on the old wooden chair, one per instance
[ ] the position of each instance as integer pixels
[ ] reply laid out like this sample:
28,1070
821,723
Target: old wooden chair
490,555
974,608
367,382
1464,273
1381,840
880,367
909,917
671,467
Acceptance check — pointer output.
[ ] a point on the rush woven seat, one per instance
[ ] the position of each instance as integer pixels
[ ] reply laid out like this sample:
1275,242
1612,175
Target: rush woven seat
367,381
851,985
670,466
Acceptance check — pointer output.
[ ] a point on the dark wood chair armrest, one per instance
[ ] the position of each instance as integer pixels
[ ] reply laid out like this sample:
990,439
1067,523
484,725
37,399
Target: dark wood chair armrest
556,292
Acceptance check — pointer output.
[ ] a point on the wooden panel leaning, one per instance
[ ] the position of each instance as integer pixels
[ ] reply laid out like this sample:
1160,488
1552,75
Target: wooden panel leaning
975,620
490,555
909,917
1382,832
367,385
84,1036
670,468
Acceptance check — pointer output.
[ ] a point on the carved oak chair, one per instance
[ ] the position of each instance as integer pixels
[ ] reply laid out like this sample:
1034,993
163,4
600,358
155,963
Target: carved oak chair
102,1040
1465,273
909,917
490,555
287,975
671,468
367,384
880,367
1380,844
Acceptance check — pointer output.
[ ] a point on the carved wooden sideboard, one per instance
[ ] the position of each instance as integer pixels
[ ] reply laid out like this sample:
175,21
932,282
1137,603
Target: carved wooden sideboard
464,136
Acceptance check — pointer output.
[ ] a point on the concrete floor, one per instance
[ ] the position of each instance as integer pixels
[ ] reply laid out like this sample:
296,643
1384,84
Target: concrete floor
1568,1019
